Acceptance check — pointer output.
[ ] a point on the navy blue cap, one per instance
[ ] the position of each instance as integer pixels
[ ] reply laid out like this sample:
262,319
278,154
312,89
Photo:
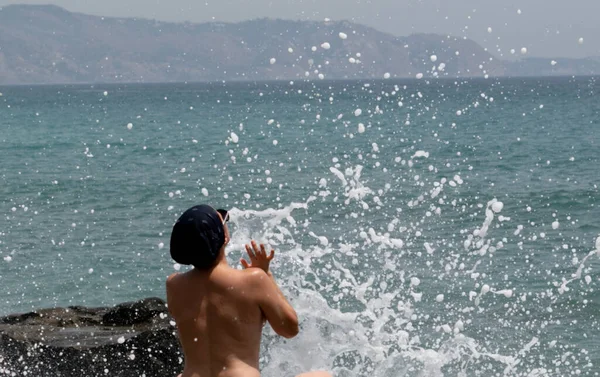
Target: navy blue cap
197,237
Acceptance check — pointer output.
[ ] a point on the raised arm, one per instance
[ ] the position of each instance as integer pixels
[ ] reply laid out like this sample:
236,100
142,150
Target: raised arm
276,308
267,294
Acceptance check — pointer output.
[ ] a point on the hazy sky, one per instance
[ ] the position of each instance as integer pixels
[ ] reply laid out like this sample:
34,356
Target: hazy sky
550,28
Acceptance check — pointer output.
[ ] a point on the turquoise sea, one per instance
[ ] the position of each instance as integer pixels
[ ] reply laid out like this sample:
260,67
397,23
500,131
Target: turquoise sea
422,227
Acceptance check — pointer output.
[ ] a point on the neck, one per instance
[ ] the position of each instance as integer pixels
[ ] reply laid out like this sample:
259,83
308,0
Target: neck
221,260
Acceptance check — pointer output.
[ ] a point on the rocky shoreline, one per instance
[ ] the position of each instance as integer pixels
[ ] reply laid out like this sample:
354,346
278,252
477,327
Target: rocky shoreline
130,339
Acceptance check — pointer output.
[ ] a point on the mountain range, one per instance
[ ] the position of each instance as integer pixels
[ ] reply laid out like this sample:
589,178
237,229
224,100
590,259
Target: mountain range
44,44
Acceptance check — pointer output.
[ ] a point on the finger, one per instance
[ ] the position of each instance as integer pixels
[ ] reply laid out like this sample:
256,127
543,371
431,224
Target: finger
272,255
250,253
255,247
263,251
244,263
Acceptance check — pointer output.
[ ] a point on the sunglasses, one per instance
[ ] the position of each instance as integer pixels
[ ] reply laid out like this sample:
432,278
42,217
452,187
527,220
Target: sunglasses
224,215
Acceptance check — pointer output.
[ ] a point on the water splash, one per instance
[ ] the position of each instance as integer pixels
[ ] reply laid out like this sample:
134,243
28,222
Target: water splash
367,299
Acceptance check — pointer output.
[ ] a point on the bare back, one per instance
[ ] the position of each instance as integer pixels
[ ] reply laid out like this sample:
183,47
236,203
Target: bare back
219,321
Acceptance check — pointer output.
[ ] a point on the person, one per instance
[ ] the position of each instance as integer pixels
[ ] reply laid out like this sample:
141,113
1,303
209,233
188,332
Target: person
220,311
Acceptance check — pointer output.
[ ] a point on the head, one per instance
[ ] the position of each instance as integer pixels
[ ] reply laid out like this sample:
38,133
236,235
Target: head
199,237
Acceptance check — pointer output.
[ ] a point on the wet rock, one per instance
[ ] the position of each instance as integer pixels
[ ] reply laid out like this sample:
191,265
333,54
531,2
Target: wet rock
132,313
131,339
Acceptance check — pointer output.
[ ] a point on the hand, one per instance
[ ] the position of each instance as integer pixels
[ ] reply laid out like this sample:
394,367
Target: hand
258,257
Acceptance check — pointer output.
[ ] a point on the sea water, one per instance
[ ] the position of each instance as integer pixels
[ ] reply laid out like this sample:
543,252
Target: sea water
430,227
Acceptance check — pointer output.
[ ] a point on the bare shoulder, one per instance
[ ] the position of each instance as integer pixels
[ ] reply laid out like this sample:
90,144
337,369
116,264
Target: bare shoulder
172,279
254,273
255,278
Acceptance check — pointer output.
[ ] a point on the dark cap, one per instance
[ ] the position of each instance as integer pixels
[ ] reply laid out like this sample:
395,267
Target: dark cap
197,237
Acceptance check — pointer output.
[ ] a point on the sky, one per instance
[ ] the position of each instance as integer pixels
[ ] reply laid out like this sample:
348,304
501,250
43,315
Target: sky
547,28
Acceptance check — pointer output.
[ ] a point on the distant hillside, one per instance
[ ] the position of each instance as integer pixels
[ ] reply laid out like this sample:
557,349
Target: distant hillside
47,44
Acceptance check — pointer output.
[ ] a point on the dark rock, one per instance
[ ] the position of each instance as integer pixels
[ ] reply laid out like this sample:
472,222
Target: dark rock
131,339
132,313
